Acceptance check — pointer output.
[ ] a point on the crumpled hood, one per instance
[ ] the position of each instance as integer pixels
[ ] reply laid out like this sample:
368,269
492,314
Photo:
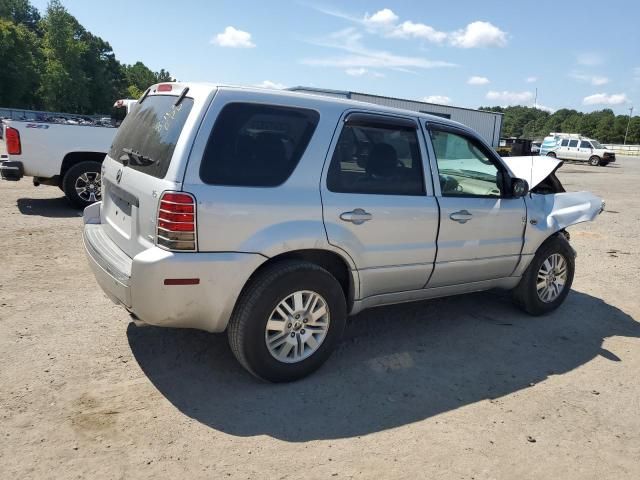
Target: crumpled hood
533,168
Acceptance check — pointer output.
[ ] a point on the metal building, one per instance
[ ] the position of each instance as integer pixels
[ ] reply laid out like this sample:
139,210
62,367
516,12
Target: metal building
487,124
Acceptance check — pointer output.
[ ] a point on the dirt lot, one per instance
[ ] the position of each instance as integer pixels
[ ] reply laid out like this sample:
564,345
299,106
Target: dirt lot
465,388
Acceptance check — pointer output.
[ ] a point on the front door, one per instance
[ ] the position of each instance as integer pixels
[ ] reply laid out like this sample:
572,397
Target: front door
583,153
377,206
481,227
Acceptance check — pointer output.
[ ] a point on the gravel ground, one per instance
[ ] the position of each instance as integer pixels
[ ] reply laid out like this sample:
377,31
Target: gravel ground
465,387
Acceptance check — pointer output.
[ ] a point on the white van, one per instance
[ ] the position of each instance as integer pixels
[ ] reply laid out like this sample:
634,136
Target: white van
575,147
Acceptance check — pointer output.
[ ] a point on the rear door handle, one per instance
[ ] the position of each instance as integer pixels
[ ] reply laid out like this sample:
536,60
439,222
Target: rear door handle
462,216
357,216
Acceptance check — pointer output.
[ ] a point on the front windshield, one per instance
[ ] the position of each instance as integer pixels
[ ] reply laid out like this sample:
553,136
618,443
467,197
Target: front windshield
596,144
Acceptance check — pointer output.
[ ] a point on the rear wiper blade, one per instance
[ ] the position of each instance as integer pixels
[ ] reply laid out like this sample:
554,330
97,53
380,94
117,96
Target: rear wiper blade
136,158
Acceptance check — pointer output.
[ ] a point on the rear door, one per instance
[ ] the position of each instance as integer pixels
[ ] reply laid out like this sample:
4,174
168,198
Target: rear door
376,204
139,167
481,228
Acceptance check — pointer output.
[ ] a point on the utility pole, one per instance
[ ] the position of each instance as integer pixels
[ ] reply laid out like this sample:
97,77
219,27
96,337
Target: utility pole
628,122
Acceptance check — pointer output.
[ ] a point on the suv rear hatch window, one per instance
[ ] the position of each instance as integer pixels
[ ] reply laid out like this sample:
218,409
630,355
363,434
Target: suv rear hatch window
148,135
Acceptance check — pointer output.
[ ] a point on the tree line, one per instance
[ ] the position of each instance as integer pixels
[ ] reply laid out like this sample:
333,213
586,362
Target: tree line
535,124
53,63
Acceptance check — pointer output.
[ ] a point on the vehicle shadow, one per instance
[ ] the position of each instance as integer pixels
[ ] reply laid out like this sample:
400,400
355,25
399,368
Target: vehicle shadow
48,207
396,365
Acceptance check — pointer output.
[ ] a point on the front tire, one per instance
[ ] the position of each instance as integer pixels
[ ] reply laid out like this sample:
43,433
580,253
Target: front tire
594,161
81,184
287,321
547,281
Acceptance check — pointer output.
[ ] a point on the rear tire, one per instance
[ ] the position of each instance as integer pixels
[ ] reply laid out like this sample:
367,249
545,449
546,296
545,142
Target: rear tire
81,184
594,161
256,344
551,154
536,294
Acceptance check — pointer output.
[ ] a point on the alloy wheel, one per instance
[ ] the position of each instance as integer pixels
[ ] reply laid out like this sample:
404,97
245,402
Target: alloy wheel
297,326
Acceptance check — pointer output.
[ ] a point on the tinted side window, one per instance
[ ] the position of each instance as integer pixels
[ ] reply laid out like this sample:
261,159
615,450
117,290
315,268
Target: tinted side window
564,143
573,143
376,160
584,144
465,169
256,145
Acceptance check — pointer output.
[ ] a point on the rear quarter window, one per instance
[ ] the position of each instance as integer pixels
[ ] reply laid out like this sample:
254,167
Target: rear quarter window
151,129
256,145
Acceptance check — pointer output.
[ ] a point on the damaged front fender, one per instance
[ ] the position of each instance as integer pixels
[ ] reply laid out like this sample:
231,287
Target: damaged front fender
551,213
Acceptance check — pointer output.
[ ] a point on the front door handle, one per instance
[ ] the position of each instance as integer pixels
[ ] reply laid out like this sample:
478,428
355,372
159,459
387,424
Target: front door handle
357,216
462,216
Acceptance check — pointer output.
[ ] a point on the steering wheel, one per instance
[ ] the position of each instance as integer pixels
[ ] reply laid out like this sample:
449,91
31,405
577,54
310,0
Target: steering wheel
449,184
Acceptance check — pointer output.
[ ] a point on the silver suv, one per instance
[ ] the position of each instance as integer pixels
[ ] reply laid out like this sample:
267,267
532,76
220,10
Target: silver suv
274,215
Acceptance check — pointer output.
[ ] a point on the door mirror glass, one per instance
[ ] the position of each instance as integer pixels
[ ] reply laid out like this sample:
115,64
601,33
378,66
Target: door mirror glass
519,187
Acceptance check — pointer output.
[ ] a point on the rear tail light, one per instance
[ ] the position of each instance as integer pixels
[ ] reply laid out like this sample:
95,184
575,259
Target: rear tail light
164,87
14,147
176,222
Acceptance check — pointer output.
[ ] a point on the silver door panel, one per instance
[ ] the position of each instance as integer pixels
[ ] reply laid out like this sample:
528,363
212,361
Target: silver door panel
375,281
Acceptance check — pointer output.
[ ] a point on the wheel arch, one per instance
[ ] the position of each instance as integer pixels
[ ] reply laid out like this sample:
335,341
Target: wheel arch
330,260
73,158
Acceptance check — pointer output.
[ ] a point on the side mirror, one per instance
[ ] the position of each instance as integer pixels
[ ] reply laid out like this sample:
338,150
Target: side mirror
519,187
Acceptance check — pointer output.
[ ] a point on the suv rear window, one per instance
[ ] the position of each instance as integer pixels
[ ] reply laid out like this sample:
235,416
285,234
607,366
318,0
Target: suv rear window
151,130
256,145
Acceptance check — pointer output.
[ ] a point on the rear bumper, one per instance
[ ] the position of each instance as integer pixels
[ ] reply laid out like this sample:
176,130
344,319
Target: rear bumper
11,170
138,283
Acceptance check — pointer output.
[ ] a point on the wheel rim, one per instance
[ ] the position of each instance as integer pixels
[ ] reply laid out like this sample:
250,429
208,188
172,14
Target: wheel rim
552,277
297,326
88,186
595,161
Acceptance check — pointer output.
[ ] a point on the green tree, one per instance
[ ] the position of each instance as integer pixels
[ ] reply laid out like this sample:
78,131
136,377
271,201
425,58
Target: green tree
20,12
65,85
20,59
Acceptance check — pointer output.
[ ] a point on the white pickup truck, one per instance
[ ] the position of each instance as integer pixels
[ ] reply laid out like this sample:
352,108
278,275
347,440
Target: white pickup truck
64,155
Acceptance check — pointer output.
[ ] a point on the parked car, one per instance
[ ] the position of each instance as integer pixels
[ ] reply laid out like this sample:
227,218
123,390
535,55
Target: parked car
575,147
62,152
273,215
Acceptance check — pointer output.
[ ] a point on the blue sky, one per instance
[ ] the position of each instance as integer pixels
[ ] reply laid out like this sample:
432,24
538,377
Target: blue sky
583,55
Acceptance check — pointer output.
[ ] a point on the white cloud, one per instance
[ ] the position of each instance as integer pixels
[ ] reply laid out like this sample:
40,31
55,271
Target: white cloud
592,79
356,72
475,80
605,99
386,23
479,34
531,79
234,38
270,84
509,98
409,29
359,56
384,17
441,99
545,108
589,59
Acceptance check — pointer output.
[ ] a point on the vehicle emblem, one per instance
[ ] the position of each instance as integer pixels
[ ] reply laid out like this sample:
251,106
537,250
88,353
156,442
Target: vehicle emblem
119,175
